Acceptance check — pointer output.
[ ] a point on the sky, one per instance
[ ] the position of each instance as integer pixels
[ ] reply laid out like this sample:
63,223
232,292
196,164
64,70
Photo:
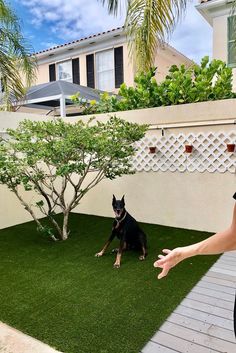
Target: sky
47,23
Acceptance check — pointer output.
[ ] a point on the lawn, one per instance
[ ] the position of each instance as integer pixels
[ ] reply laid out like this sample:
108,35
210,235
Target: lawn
61,294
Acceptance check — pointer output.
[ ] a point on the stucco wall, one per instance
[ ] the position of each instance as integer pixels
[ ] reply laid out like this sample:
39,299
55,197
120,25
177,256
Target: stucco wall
194,200
165,58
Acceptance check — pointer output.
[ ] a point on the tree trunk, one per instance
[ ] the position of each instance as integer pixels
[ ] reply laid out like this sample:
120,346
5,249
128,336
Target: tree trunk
65,232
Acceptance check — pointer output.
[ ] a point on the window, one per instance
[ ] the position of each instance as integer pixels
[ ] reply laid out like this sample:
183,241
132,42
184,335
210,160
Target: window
105,72
232,41
64,71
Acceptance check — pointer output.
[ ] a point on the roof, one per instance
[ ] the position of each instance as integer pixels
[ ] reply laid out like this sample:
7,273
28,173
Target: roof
50,95
56,94
80,40
60,87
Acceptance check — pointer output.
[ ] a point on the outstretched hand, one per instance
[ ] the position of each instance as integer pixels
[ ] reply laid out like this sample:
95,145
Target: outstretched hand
166,262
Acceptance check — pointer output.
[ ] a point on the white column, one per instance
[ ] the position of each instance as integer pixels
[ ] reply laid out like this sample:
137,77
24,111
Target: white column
62,107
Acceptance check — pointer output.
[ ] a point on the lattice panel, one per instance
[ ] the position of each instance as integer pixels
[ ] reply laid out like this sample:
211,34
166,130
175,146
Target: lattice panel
209,153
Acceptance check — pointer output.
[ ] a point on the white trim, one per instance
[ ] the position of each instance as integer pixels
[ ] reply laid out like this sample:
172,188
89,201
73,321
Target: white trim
211,9
83,47
38,100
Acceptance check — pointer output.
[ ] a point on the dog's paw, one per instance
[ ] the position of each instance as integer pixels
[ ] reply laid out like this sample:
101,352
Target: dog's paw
98,254
116,265
141,257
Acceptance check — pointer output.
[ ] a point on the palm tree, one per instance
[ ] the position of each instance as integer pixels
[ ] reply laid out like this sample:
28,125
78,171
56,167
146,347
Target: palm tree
148,23
15,58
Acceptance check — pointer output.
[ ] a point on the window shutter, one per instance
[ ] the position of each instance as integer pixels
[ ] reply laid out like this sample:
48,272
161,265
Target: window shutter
52,72
119,66
75,71
2,86
90,70
231,41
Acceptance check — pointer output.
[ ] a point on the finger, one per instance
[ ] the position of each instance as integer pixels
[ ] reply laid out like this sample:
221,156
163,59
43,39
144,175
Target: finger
161,256
166,251
160,263
163,273
156,263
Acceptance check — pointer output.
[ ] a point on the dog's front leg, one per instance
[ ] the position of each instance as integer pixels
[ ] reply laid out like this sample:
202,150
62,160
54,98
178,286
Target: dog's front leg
101,253
119,254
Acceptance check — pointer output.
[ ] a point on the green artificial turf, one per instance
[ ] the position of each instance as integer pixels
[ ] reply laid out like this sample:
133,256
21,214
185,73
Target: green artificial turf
61,294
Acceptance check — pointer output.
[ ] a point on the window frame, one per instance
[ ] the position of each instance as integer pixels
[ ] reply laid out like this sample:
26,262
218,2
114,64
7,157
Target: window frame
111,49
57,70
230,41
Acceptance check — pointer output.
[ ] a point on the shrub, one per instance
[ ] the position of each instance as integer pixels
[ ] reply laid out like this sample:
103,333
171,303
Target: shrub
209,81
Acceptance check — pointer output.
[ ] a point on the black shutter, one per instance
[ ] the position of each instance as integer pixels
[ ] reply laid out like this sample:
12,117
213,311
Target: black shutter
52,72
2,86
90,70
75,71
119,67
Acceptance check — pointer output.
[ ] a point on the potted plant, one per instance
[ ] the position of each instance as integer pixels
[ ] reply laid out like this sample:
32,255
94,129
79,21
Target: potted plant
152,149
188,148
230,147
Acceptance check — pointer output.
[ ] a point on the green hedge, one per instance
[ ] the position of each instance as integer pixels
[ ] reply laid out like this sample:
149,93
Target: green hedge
207,82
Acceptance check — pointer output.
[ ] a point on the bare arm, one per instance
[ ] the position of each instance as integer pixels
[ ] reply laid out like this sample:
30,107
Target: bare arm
216,244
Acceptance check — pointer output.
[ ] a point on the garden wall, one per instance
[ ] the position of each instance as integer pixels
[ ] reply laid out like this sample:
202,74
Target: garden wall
191,191
171,187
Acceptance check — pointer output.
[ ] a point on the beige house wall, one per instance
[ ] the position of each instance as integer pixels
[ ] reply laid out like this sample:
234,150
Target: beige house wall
201,201
216,13
42,74
165,58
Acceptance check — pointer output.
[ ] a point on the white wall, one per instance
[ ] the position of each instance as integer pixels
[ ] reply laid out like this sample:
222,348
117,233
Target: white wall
195,200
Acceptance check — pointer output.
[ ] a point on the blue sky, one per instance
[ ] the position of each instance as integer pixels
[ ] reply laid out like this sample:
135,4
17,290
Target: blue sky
47,23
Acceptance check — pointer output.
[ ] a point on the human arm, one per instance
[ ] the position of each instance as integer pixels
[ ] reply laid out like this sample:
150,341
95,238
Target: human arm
216,244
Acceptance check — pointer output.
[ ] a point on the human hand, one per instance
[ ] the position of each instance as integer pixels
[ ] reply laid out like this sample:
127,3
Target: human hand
171,259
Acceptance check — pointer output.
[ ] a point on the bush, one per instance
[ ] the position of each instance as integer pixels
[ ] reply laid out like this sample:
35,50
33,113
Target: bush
209,81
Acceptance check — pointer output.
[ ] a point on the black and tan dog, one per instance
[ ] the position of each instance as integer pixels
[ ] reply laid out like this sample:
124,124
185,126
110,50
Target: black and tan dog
126,228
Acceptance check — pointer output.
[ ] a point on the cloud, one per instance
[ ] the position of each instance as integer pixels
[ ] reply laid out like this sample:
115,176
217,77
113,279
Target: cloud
65,21
72,19
193,35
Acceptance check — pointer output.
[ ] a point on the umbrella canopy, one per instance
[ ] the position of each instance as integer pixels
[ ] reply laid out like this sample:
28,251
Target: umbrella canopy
57,93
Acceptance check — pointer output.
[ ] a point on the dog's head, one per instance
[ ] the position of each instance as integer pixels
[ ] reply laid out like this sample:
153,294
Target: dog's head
118,206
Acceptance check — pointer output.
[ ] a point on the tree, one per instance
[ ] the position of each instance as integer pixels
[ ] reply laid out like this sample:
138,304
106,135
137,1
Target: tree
61,162
15,58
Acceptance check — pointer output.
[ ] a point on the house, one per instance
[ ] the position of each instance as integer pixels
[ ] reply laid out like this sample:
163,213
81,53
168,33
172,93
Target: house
218,13
100,61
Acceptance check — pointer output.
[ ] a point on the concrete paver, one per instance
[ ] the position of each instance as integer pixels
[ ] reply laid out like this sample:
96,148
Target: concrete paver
14,341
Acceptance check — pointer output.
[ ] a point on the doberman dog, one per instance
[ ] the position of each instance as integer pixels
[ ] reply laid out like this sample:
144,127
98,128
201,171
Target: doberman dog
127,230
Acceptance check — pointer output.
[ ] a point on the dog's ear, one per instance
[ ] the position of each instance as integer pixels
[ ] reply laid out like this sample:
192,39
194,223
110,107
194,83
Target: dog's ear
113,199
123,199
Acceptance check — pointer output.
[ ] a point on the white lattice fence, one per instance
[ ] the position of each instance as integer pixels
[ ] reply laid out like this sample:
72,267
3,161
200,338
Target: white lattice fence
209,153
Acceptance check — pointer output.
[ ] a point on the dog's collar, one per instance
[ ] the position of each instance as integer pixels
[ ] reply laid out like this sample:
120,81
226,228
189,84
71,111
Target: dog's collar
120,220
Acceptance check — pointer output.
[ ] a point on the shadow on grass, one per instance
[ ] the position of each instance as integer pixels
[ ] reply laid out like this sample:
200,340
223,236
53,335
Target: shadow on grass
61,294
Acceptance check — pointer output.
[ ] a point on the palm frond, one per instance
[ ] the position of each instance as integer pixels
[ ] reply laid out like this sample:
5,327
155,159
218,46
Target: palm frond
115,6
148,24
16,63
